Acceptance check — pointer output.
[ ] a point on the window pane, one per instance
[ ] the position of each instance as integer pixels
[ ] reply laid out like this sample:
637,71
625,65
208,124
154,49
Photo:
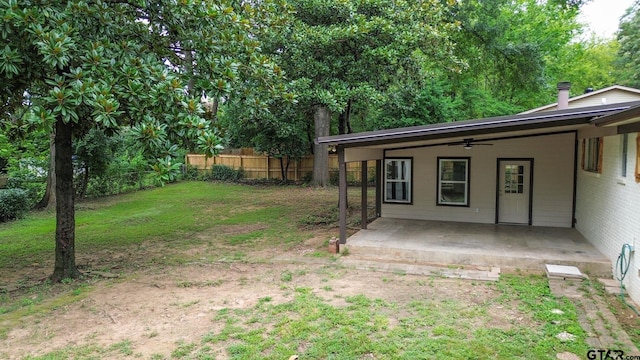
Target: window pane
453,170
398,180
453,193
398,191
392,170
592,154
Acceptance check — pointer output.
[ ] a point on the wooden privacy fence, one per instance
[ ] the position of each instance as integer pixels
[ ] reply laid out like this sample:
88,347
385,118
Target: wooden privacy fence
267,167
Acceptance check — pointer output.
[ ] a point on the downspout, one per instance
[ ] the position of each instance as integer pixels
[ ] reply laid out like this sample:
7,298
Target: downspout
342,186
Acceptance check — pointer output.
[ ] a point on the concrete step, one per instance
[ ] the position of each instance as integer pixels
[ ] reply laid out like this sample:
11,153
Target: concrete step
507,261
482,274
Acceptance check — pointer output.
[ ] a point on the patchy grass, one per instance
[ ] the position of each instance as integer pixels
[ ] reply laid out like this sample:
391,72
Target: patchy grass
211,223
311,327
145,224
534,297
118,350
626,316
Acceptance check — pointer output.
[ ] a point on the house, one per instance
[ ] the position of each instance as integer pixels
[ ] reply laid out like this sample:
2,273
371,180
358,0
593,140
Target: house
573,164
610,95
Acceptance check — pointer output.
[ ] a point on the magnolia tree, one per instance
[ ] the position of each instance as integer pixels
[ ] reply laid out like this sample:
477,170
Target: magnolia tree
141,64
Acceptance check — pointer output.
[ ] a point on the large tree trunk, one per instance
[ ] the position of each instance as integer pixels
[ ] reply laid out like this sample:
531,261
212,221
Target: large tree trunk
48,201
322,122
65,266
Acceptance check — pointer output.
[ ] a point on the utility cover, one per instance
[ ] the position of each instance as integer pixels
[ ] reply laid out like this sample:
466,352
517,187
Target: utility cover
563,271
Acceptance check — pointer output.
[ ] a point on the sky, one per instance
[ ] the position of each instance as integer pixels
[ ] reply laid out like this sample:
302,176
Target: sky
603,16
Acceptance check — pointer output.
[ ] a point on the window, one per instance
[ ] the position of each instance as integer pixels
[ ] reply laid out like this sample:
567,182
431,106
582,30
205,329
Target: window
592,154
453,181
397,188
514,179
624,150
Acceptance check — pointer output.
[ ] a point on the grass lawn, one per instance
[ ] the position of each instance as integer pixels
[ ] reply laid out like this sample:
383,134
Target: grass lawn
208,249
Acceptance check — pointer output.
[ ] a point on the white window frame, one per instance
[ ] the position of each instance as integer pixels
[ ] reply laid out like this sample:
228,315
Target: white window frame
443,183
624,155
407,178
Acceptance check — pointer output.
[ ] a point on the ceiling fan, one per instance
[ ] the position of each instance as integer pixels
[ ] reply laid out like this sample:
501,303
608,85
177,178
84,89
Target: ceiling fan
468,143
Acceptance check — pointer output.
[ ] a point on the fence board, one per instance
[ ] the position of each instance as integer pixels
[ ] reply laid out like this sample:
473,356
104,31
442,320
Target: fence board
266,167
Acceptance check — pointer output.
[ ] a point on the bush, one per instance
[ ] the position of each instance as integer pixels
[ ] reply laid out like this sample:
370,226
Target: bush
14,204
190,172
30,175
226,173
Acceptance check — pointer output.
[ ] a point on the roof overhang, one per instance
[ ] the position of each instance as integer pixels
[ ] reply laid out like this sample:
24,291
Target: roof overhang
623,118
512,125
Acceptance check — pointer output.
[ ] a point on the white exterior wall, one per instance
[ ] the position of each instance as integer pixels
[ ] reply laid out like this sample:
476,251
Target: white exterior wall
608,207
553,168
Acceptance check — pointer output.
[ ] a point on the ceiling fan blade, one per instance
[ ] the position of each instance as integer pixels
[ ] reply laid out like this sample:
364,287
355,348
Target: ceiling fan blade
467,143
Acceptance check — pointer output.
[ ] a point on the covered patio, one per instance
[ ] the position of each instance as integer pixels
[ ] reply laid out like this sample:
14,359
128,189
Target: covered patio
510,247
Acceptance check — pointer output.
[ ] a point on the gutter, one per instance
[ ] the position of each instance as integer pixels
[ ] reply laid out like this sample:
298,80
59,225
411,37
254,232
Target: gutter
631,112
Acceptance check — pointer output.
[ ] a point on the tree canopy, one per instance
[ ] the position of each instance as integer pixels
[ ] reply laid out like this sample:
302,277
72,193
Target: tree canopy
344,55
77,65
629,53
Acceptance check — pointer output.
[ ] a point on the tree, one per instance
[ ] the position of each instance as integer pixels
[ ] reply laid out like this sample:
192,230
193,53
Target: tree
139,63
93,154
588,64
629,54
511,50
279,130
350,52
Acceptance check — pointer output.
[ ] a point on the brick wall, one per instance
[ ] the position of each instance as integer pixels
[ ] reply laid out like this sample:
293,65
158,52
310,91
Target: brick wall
608,207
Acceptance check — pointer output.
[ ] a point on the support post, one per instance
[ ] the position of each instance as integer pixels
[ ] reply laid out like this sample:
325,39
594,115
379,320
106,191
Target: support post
342,176
378,188
363,180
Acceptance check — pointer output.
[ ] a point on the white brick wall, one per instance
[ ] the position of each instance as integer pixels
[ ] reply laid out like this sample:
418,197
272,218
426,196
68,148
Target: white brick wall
608,207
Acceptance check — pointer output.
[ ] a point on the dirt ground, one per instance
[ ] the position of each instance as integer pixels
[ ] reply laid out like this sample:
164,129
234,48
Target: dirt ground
154,309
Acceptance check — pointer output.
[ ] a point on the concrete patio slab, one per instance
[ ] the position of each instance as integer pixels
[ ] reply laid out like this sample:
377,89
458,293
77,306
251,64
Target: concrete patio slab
450,243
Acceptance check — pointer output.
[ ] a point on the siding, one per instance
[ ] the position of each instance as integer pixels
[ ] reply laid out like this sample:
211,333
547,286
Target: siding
552,184
608,207
609,97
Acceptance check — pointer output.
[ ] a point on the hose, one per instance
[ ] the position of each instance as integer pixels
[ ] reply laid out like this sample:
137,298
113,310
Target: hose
622,268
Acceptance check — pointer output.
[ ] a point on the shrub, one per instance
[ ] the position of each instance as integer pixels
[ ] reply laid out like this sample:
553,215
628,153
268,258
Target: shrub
191,172
30,175
226,173
14,204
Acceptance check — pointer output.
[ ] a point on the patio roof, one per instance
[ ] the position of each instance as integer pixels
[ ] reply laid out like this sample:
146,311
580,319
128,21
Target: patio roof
493,125
624,117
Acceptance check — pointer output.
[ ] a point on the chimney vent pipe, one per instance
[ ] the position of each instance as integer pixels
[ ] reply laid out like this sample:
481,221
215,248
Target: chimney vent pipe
563,95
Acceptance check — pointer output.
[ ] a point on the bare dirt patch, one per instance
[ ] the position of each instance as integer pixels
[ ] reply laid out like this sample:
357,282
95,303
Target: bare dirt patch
156,309
173,292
